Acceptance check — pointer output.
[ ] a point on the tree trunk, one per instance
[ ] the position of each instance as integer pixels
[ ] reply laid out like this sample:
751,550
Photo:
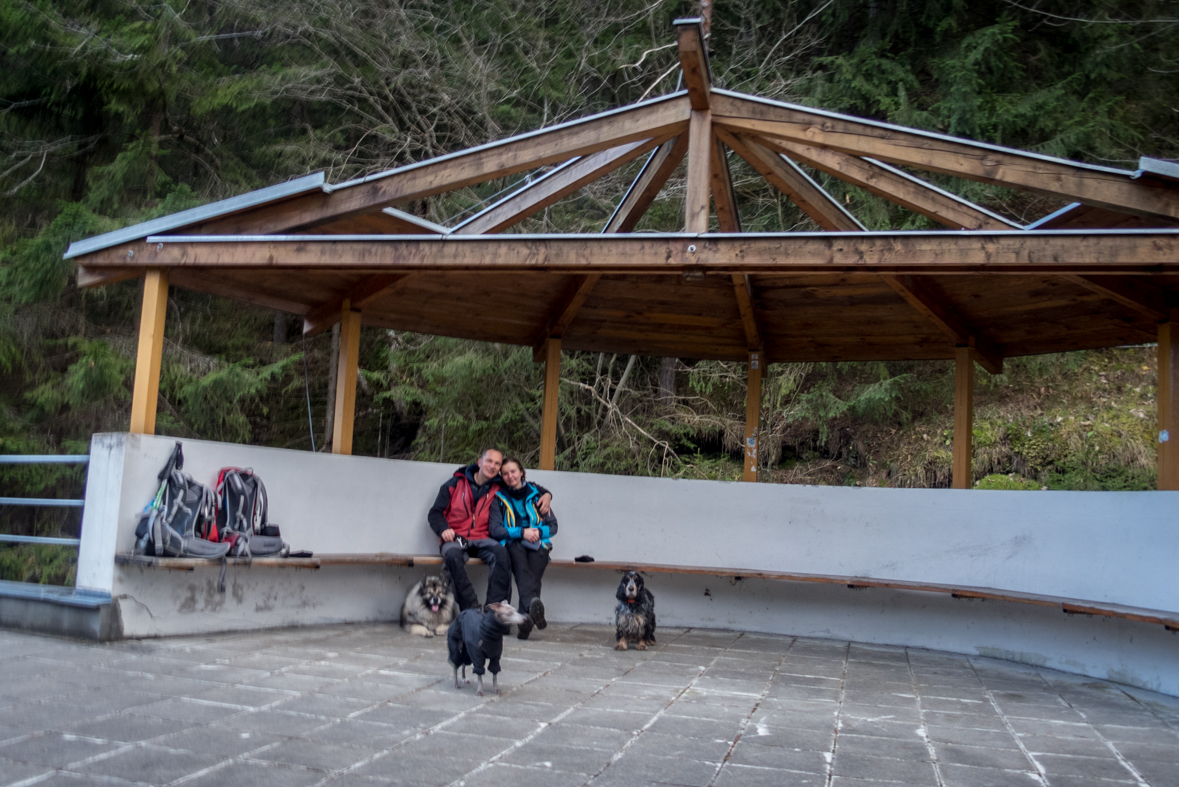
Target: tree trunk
667,381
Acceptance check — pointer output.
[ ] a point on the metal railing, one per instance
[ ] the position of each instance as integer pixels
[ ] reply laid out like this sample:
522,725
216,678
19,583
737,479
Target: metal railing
13,459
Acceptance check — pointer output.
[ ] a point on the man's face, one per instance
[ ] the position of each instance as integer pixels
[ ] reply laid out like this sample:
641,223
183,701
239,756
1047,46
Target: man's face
489,463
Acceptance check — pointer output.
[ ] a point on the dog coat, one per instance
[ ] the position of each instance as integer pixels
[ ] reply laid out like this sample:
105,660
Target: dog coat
474,638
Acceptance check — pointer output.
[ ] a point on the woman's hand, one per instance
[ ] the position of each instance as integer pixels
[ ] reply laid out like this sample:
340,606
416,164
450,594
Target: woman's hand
542,503
531,534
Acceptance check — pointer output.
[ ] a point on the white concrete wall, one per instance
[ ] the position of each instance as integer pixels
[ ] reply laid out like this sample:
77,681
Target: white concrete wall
1109,547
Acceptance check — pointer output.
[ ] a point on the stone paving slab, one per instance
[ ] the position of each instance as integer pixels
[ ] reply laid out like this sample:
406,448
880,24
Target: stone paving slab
370,706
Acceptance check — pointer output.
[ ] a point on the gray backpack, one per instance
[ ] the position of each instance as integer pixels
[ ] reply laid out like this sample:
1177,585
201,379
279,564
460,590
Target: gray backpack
172,524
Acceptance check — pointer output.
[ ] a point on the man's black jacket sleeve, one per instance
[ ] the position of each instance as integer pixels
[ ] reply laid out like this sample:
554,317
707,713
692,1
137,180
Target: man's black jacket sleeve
436,517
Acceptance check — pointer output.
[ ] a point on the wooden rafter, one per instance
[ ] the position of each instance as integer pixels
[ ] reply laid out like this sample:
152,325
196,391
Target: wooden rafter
723,196
389,221
647,185
895,186
730,221
694,61
552,187
366,291
565,312
1112,189
793,182
208,281
1136,252
1141,296
936,308
663,117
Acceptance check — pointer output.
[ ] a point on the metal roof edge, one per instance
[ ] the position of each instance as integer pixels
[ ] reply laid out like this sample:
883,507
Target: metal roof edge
250,199
1040,222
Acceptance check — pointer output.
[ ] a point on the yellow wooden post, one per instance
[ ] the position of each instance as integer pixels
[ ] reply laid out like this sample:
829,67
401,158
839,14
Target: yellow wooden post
1168,403
151,351
346,380
752,416
961,468
548,421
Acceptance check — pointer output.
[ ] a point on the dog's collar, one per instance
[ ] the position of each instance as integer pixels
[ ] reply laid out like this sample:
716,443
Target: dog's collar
630,600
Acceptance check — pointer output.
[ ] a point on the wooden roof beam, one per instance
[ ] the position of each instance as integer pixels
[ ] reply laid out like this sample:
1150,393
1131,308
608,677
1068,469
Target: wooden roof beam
647,185
552,187
694,61
1118,252
894,185
939,311
1143,297
1102,186
565,312
659,118
389,221
366,291
794,183
729,218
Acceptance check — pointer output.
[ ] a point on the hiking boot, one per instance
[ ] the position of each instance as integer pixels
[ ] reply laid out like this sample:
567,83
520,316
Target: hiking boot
536,612
524,629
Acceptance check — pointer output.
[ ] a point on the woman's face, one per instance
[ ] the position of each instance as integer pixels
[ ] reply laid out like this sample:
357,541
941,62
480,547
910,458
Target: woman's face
512,475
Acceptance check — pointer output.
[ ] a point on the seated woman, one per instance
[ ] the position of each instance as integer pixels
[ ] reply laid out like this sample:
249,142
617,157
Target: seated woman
517,523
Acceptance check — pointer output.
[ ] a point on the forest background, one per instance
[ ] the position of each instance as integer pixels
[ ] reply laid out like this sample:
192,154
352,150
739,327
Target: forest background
113,112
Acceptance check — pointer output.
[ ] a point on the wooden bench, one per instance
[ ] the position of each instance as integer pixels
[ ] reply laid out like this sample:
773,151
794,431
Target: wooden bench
1170,620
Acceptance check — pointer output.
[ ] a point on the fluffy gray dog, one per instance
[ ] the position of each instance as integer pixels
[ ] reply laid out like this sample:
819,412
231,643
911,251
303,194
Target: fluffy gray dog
430,607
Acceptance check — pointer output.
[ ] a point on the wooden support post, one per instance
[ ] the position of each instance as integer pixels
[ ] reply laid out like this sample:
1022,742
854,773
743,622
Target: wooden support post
962,473
346,380
548,421
752,416
1168,399
700,149
150,354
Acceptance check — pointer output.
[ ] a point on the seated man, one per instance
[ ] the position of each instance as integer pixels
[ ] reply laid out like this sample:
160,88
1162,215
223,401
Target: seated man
460,518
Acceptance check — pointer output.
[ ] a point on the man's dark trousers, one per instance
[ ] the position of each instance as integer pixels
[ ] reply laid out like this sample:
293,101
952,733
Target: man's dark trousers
491,552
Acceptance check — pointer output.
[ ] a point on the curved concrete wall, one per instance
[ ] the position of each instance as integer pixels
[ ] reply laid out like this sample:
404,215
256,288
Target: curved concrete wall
1108,547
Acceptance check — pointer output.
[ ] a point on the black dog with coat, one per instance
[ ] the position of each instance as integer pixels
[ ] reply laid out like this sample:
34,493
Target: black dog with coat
634,617
476,637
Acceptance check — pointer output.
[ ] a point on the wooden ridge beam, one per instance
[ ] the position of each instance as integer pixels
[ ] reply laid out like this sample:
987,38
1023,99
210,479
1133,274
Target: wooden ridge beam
1132,252
694,61
794,183
364,292
1141,296
1112,189
552,187
938,310
894,185
662,117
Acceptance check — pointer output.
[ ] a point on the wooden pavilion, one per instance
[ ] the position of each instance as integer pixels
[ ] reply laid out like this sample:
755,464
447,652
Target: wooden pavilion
1104,271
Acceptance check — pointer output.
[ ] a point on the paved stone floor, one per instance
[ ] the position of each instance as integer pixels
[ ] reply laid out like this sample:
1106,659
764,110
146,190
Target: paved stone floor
369,705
